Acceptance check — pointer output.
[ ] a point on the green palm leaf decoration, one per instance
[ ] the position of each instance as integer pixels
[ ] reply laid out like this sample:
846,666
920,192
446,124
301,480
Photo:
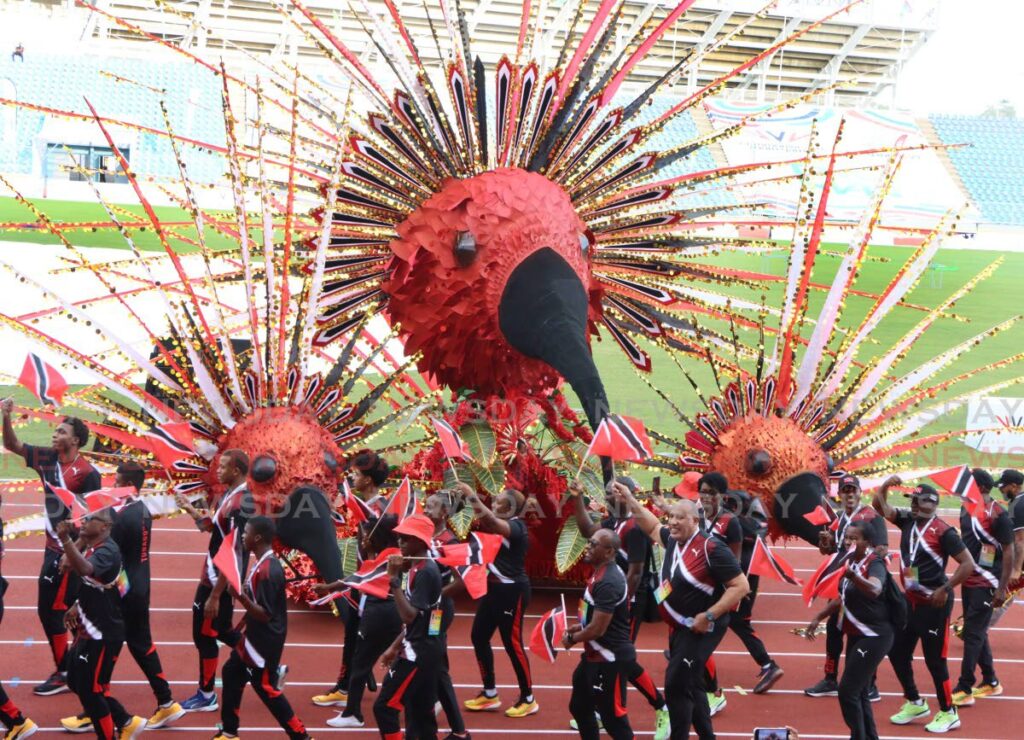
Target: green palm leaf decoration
571,544
480,439
461,522
349,549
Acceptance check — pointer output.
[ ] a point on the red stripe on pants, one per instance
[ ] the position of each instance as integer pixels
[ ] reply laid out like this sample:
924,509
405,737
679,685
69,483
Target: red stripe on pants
517,641
395,702
620,707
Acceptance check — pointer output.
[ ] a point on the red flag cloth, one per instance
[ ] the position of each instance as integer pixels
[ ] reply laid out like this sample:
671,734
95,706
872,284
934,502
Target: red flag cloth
480,549
825,581
228,560
474,578
358,511
960,482
404,502
764,562
372,576
547,635
171,442
43,381
104,498
452,444
621,438
74,503
820,515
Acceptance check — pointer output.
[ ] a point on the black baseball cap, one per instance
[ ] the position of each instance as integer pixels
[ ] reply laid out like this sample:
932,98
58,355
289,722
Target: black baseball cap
1010,477
849,480
926,492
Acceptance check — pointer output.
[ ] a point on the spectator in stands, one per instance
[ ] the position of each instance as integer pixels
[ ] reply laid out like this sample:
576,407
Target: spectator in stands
18,53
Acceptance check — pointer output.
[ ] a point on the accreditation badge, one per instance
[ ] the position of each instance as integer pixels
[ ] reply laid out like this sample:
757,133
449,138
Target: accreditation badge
663,591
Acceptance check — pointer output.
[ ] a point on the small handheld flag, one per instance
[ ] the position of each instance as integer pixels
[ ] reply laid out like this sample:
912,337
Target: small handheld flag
825,581
372,576
404,501
621,438
764,562
960,482
228,560
171,442
43,381
452,444
359,512
547,633
479,549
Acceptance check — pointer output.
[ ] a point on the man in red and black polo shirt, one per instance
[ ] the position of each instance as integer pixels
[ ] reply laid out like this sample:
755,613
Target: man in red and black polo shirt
635,559
721,522
701,584
256,659
989,538
211,606
62,465
926,544
599,682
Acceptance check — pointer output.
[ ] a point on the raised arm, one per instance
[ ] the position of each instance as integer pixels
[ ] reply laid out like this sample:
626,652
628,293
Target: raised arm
11,441
647,522
76,561
587,526
880,501
490,521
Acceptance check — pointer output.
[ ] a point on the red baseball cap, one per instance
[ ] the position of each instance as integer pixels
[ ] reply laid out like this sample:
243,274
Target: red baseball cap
687,488
418,526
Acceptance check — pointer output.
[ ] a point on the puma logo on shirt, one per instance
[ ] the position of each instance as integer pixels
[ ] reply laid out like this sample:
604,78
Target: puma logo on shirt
863,653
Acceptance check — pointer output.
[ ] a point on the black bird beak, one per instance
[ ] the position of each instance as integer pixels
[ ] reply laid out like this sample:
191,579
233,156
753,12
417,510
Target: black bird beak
543,314
307,525
800,495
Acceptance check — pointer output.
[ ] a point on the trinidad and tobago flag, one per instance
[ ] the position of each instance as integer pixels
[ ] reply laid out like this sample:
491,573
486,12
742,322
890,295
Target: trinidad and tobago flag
171,442
228,560
404,502
480,549
960,482
359,512
621,438
43,381
548,634
372,576
764,562
474,578
89,503
825,581
452,444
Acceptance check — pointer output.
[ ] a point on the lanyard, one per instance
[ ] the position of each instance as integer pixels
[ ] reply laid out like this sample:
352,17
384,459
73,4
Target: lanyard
916,537
252,573
845,521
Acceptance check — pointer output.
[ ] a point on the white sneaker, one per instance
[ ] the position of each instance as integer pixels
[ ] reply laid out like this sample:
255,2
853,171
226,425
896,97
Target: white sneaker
345,721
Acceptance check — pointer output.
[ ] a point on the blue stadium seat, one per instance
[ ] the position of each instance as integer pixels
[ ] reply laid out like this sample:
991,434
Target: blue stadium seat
990,168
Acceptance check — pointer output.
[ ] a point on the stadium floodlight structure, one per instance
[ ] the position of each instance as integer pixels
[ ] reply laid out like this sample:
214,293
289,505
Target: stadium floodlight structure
861,51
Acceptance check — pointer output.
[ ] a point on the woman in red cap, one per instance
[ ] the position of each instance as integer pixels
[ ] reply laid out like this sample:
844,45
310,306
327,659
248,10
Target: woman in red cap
412,679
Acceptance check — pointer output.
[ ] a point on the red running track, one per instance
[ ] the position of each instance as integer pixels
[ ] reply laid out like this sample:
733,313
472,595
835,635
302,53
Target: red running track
314,649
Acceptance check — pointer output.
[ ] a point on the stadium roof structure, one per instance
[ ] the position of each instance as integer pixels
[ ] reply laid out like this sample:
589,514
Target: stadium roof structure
863,49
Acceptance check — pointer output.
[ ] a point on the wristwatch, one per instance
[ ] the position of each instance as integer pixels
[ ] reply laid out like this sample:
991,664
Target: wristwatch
710,616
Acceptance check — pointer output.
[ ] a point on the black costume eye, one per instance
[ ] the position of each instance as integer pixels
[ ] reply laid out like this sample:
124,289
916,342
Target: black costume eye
759,462
465,248
264,468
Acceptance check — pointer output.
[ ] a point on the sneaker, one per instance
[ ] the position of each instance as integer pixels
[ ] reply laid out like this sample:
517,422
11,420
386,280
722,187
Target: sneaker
523,709
873,694
824,687
221,735
57,683
79,724
662,726
768,677
165,715
333,698
453,736
944,722
199,703
132,729
282,673
343,720
26,728
575,725
985,690
481,703
910,711
963,698
716,702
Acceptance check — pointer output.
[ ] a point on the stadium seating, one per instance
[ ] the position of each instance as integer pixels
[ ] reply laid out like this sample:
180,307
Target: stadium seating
990,168
66,81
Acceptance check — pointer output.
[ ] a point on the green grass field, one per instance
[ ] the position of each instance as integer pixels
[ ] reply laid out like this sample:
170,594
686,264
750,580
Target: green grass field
992,302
